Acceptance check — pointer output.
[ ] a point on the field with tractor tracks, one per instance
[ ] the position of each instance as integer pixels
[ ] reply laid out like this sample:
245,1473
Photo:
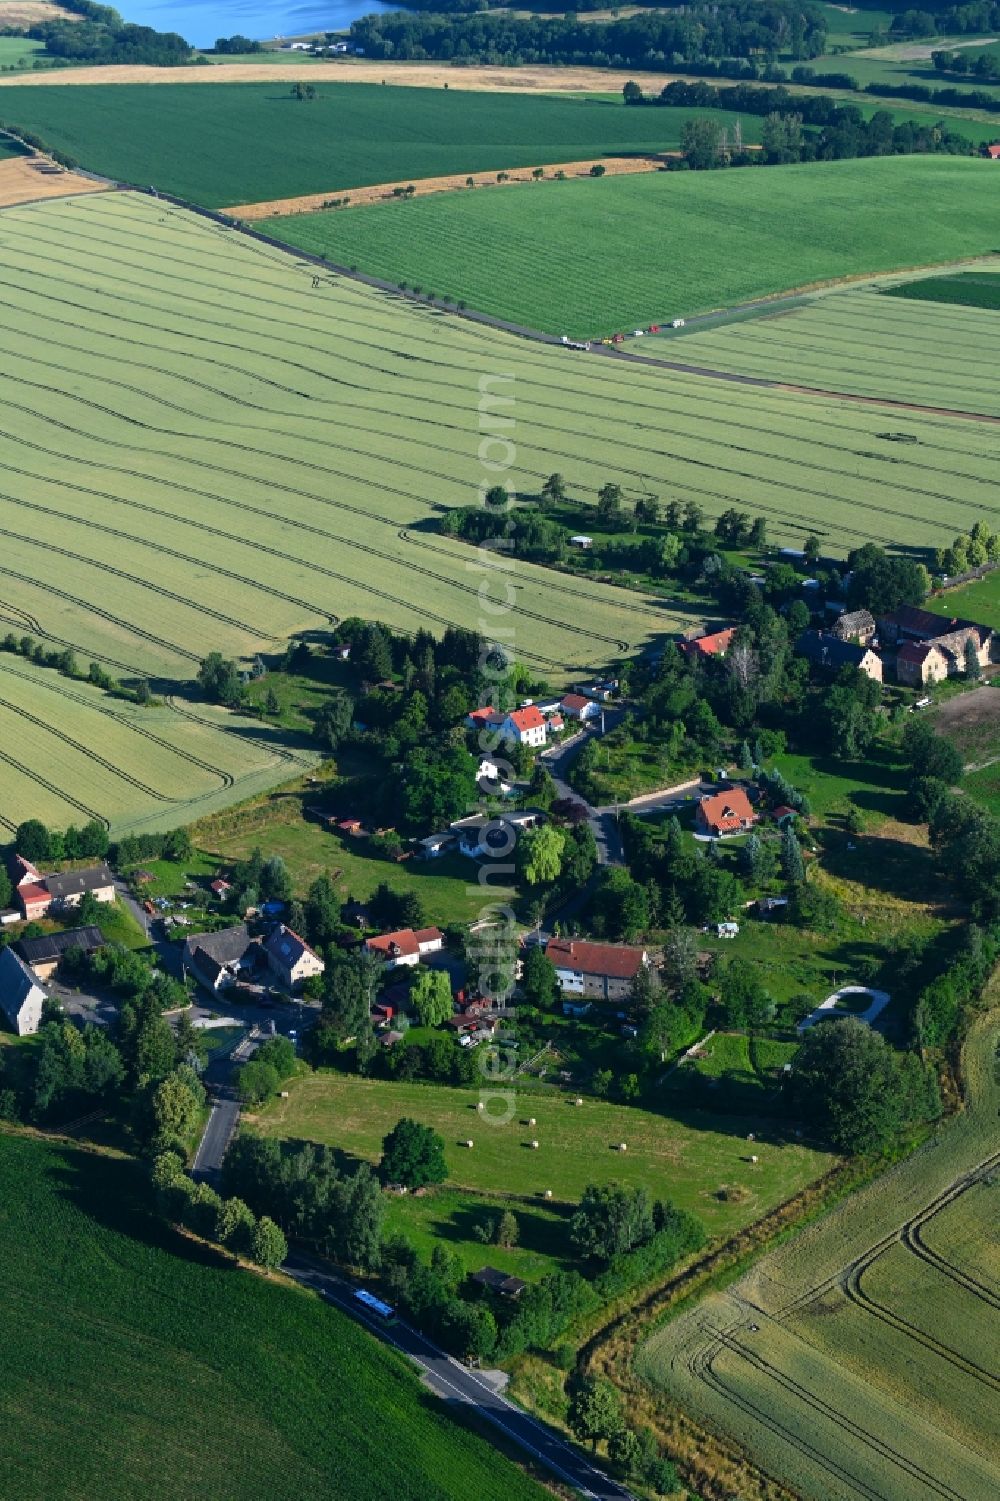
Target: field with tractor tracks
862,341
209,444
861,1359
70,753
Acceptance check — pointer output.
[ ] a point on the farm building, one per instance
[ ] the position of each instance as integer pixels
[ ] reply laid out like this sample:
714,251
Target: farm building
830,652
524,727
855,625
405,946
909,623
715,644
290,957
725,813
69,889
576,706
601,971
498,1282
921,662
44,954
21,996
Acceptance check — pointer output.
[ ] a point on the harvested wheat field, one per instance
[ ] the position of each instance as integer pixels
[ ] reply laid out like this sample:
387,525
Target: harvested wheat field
614,166
23,179
18,13
420,75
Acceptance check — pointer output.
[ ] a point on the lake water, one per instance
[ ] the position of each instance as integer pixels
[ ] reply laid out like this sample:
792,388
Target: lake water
202,21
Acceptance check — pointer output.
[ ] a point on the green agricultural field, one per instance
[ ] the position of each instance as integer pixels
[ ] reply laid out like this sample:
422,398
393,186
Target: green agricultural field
351,135
17,52
139,1365
69,753
683,1157
977,289
232,446
664,245
860,1358
925,353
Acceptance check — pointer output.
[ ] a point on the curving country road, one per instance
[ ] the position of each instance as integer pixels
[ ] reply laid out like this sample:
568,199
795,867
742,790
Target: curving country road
456,1383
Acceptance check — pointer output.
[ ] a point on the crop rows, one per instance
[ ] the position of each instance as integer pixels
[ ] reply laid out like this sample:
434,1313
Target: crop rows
204,445
858,342
874,1376
71,754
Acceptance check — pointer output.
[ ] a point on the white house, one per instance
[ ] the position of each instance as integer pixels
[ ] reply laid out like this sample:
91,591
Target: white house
21,996
576,706
406,946
524,726
290,957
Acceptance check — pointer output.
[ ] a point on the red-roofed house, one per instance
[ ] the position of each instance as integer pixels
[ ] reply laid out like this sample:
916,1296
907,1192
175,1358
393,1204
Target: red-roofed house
783,815
993,152
575,706
715,645
405,946
483,719
524,726
601,970
726,813
35,900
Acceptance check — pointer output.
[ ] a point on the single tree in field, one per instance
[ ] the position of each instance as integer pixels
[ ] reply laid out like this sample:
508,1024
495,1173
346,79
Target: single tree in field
506,1233
598,169
413,1155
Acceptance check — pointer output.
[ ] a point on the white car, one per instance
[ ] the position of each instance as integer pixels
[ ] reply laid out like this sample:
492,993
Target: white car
677,323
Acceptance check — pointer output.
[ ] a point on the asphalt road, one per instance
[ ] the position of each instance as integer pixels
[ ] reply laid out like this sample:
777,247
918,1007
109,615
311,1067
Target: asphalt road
456,1383
218,1134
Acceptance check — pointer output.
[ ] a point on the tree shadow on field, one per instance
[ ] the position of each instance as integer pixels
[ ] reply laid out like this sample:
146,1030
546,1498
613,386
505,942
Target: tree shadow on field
115,1193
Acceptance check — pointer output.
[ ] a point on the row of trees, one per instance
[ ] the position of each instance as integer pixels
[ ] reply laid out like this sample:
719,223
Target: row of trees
64,660
652,39
228,1222
969,550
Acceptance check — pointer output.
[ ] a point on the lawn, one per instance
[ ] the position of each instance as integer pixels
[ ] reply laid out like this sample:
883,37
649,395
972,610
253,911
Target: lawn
139,1366
351,135
686,1157
447,887
858,1357
450,1217
802,224
979,601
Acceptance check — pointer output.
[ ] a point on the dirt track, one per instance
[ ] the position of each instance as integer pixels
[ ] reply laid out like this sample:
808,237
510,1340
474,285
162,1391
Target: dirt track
22,181
614,167
351,70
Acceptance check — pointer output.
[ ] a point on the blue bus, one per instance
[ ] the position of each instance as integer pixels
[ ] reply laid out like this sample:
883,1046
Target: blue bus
374,1305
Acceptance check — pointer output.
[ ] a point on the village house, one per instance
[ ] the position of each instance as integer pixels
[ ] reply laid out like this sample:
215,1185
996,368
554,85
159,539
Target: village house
828,651
218,960
436,845
483,719
290,957
599,971
855,625
405,946
69,889
21,996
524,727
725,813
498,1282
910,623
493,834
921,662
577,706
45,954
716,644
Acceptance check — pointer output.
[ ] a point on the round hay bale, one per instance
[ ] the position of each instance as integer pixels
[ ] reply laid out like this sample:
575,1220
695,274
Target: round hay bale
532,1121
548,1193
469,1142
534,1146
